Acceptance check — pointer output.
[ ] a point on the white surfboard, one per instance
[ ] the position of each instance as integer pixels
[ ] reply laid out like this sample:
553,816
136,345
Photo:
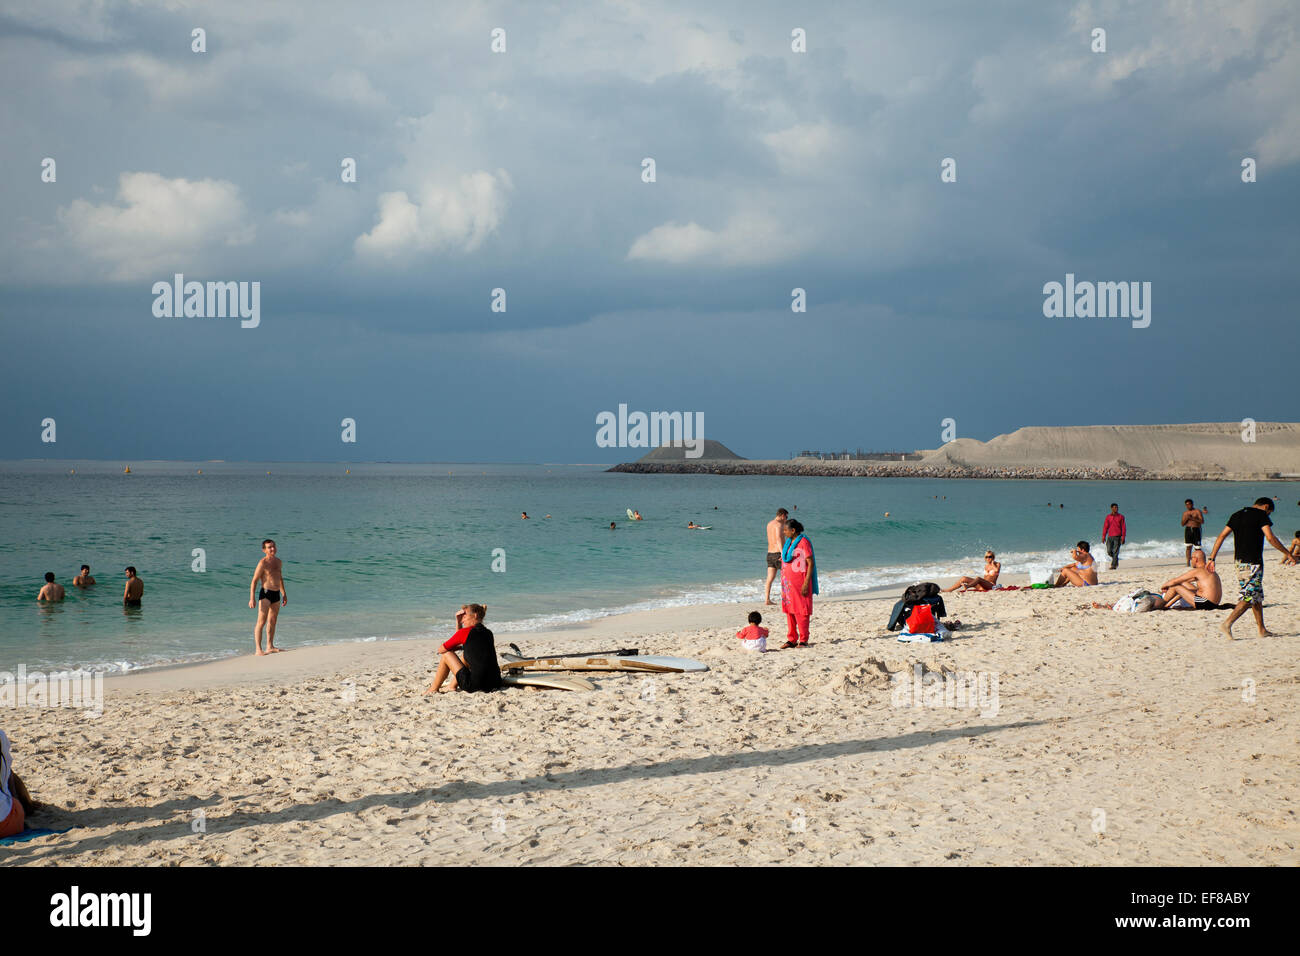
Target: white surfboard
645,663
548,681
631,514
684,664
589,664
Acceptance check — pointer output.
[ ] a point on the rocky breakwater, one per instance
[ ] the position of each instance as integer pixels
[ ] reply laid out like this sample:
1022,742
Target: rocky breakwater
872,469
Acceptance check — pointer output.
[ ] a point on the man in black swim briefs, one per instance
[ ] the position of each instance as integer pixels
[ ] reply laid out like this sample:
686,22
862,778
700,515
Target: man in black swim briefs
268,582
1193,518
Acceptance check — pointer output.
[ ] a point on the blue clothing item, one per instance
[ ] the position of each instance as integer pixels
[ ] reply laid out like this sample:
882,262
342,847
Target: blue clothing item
787,555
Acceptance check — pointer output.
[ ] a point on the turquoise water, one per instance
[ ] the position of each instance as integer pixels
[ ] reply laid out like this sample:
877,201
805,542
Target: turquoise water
392,550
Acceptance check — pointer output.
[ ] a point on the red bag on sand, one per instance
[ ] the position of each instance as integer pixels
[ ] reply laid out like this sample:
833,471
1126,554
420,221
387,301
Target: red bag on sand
921,620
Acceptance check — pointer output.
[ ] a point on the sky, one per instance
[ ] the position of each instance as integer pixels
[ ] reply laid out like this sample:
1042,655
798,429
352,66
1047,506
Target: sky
522,169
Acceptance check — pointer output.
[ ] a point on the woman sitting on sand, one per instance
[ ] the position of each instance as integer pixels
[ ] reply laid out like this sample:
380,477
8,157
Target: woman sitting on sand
1083,572
987,583
798,583
479,669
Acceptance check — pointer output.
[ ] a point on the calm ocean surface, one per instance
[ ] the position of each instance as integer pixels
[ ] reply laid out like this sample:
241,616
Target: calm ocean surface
392,550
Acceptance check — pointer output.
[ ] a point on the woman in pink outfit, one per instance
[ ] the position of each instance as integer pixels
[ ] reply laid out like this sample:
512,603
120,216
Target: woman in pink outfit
798,583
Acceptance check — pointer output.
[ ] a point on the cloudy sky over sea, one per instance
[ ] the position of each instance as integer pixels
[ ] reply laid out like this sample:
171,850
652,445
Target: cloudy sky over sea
523,170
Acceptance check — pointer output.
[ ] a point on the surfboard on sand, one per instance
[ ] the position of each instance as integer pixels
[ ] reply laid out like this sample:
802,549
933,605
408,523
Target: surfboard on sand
548,681
645,663
587,664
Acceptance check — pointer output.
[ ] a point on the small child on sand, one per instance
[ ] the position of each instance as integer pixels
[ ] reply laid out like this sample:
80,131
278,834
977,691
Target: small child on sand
1294,548
753,637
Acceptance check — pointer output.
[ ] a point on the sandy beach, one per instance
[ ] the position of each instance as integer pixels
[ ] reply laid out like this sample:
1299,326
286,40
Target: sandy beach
1113,739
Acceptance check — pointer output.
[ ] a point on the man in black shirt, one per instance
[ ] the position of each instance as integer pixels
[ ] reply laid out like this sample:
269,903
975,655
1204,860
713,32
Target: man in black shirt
1249,527
479,670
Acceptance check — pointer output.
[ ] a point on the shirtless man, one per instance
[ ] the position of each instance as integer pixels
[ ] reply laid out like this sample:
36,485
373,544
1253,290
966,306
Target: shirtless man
1193,518
992,569
51,591
268,599
84,580
775,541
1199,589
1083,572
134,589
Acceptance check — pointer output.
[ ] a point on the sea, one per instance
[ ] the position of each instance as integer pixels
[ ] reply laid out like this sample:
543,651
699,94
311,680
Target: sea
380,551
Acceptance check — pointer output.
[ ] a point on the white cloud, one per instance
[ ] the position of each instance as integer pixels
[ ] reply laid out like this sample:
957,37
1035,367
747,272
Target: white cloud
749,239
441,218
802,149
157,223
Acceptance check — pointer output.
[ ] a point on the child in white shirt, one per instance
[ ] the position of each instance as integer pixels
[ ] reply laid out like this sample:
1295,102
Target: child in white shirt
753,637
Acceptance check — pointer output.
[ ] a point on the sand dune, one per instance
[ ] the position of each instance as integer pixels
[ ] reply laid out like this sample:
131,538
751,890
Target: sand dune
1213,448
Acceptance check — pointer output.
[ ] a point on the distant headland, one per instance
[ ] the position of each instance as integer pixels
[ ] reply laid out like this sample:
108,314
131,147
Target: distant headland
1213,451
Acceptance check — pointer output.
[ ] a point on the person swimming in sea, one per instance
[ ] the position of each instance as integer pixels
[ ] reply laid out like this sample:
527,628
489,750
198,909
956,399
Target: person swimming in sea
50,591
268,594
84,580
133,594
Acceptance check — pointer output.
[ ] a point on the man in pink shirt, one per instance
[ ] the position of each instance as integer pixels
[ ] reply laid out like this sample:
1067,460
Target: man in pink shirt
1114,531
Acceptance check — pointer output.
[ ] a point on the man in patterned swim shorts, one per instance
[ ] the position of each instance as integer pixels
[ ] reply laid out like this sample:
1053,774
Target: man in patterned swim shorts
1249,527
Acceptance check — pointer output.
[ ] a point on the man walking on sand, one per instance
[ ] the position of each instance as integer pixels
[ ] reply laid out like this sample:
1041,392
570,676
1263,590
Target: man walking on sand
775,542
1249,527
1115,533
1193,518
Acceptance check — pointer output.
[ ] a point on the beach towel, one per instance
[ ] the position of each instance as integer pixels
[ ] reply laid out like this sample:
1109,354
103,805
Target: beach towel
1007,587
30,833
940,633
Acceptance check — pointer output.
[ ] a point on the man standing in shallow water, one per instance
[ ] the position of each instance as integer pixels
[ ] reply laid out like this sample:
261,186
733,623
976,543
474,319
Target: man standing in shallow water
134,590
270,597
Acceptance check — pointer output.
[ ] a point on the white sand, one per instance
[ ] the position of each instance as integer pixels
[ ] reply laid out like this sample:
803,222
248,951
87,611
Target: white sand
796,756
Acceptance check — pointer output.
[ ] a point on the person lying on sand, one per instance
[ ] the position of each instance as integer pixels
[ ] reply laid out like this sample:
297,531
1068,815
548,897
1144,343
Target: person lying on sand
1083,572
478,670
987,583
1195,590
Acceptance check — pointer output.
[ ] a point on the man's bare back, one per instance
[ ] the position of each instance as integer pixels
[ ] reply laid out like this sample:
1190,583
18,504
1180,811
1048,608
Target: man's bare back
775,534
50,592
